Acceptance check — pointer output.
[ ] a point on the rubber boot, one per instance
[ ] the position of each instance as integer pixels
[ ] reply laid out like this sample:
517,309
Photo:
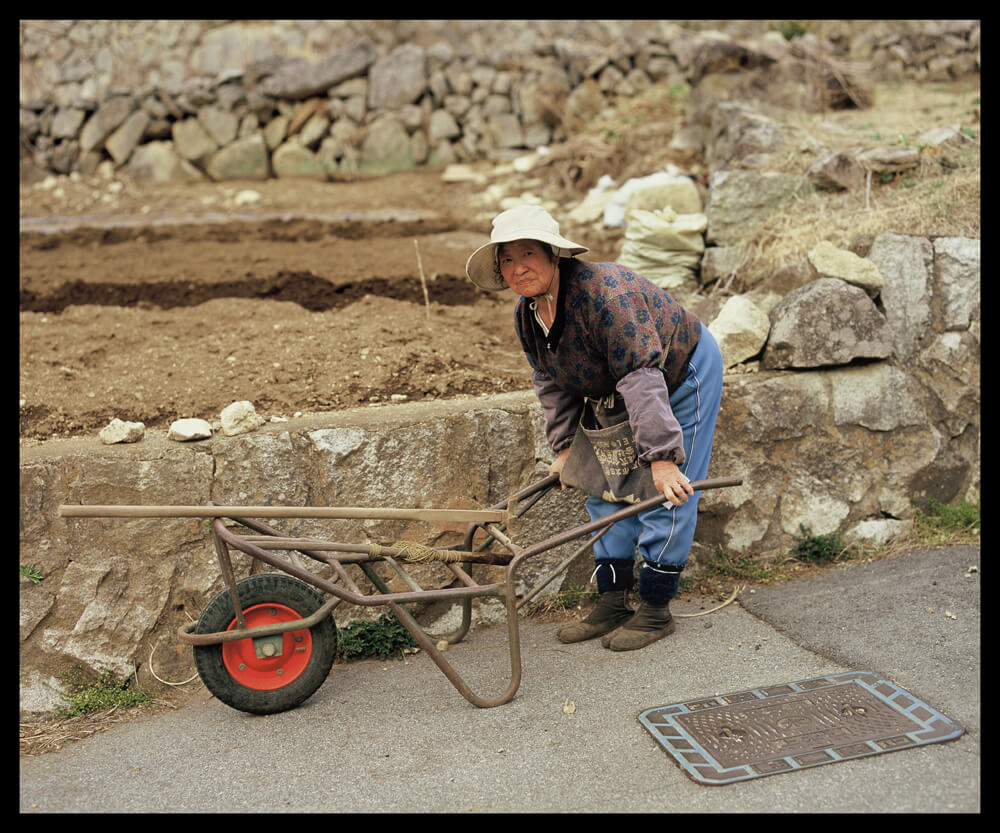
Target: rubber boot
614,580
611,612
652,621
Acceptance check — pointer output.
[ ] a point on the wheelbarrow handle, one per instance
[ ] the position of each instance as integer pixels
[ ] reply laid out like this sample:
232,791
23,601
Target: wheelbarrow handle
626,512
553,479
546,482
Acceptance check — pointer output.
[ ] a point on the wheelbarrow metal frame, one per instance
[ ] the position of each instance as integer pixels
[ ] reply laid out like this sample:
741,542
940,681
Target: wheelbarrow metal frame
492,523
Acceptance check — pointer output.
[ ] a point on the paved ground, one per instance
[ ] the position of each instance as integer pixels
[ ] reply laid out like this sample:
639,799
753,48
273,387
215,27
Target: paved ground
397,738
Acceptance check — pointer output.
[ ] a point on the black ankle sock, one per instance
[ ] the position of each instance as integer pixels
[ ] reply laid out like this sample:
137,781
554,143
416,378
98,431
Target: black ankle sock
615,574
658,585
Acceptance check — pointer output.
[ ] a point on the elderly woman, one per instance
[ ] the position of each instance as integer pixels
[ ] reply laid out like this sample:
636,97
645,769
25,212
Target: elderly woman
629,383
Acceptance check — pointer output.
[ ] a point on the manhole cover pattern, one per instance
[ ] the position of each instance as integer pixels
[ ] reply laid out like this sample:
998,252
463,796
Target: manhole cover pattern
791,726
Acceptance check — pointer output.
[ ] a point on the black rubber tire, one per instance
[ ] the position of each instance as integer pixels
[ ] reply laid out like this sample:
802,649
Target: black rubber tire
262,589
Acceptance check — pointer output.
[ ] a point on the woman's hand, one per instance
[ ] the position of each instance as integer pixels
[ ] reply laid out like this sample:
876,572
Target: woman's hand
557,465
669,479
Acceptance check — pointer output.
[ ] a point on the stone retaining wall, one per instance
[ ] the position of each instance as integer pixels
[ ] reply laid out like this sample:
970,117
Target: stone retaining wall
176,100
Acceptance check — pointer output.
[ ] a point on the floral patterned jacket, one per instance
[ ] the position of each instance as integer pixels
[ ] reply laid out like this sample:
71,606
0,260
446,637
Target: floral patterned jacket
614,331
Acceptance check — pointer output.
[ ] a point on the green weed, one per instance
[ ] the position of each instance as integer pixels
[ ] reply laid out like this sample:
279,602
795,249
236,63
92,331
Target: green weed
814,548
86,697
680,91
32,573
791,29
572,596
809,549
384,637
940,518
743,567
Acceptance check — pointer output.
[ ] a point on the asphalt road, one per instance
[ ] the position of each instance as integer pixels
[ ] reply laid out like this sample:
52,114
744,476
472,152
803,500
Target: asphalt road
396,737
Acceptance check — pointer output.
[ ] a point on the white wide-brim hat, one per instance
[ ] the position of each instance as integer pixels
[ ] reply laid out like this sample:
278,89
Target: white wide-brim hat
524,222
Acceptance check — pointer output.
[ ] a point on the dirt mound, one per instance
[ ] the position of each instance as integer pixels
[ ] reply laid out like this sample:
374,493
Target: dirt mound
155,323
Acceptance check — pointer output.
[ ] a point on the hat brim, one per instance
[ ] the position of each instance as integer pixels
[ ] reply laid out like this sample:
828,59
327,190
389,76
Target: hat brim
481,265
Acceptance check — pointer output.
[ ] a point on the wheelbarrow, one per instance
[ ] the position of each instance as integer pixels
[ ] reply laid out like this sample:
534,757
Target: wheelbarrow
267,642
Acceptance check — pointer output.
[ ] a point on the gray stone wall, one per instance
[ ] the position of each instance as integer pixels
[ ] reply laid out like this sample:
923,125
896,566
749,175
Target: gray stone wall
179,100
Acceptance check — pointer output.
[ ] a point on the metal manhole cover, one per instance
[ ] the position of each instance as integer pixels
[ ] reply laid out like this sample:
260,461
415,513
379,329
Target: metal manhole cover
787,727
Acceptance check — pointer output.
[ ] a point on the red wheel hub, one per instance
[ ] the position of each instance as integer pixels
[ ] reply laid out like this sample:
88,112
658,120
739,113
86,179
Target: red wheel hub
267,663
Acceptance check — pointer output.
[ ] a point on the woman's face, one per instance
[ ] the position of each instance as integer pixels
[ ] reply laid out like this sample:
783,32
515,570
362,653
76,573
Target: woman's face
526,267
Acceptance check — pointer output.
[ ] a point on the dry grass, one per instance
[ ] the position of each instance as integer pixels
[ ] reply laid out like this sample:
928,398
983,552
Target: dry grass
938,198
924,203
50,734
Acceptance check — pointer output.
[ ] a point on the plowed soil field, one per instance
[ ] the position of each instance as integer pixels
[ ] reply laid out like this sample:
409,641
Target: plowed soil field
157,304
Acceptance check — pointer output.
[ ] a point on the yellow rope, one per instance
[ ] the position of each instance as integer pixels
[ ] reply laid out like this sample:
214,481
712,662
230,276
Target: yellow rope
413,551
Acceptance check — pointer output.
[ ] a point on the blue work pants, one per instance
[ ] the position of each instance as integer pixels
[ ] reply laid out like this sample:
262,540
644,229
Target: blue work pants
663,535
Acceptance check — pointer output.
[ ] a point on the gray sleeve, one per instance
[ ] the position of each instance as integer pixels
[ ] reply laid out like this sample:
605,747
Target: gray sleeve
658,434
560,410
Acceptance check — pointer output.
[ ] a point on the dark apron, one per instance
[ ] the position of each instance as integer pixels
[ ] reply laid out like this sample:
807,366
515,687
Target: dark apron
603,460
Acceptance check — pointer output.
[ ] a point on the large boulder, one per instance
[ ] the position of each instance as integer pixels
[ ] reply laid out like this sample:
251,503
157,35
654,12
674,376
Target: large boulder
741,328
105,119
736,132
957,272
221,125
949,368
232,46
505,131
837,171
442,127
158,162
293,159
127,136
192,141
825,323
244,159
297,79
741,200
109,585
386,147
399,78
831,262
65,123
907,267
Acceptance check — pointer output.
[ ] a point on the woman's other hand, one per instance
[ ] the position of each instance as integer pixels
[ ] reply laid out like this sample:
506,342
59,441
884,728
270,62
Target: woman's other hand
670,480
557,465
